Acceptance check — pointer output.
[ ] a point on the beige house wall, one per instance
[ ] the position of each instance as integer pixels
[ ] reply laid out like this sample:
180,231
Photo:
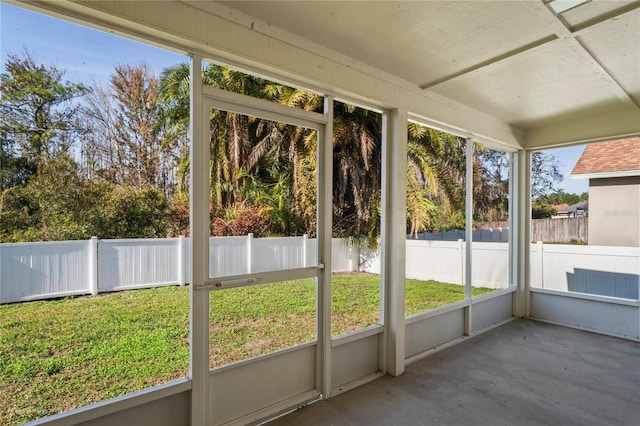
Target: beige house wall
614,211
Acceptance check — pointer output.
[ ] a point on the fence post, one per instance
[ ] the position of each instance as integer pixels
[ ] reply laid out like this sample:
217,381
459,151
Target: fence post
181,250
354,250
461,249
540,263
249,252
305,238
93,266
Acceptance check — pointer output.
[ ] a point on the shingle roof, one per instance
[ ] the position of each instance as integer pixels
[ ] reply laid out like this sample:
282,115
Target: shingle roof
613,156
559,207
573,208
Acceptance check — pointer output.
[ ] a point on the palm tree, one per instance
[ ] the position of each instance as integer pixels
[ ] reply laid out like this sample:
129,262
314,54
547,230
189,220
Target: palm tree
436,177
273,165
233,137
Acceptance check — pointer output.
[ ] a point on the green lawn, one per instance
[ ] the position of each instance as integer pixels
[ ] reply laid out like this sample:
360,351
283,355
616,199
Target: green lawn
61,354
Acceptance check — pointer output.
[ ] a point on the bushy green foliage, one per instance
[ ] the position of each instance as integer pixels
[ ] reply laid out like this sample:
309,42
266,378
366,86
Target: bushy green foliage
46,195
542,210
57,204
243,222
562,198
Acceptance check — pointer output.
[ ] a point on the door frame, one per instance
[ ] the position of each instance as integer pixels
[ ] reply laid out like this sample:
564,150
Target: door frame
203,99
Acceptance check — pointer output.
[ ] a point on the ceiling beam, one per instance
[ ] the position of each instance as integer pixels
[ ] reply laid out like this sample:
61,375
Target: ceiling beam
492,61
601,127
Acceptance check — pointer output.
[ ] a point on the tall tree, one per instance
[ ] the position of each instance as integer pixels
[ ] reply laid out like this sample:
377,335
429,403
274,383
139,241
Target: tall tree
436,179
38,116
357,162
545,174
491,184
127,144
234,138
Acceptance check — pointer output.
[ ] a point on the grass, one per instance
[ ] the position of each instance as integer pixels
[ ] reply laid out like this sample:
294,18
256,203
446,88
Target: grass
61,354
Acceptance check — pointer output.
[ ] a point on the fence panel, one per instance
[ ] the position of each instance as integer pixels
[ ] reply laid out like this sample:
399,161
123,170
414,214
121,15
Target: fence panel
345,256
30,271
229,256
435,260
497,235
599,270
490,265
274,254
312,251
137,263
560,230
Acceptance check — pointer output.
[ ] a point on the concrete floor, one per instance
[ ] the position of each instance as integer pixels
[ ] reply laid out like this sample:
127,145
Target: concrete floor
522,373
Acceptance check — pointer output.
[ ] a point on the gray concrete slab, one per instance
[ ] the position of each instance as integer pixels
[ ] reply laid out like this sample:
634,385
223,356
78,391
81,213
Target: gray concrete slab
522,373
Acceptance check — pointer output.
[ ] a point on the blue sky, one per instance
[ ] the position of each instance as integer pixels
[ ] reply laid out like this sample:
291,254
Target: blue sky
568,157
86,54
89,56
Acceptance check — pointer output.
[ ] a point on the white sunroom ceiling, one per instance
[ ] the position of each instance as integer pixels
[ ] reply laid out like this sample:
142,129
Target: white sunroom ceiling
514,60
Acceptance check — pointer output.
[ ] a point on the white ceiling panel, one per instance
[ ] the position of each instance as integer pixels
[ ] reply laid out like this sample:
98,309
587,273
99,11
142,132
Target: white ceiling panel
543,85
595,10
422,42
512,59
616,45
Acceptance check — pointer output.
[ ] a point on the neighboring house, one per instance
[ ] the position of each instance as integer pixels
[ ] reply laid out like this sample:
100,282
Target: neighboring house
558,207
613,170
580,209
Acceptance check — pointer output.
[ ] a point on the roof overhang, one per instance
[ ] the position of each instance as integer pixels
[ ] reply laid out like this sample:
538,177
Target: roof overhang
605,175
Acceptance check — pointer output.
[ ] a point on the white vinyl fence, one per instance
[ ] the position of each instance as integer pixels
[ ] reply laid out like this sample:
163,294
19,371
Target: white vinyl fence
597,270
33,271
30,271
445,261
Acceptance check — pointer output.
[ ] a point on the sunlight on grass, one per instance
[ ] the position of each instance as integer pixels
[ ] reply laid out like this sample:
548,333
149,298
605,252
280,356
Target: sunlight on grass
355,302
422,296
61,354
247,322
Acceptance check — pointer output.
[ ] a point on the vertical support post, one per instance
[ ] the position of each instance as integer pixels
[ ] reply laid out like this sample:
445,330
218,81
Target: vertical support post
93,266
181,255
468,276
199,221
249,252
523,229
305,239
393,245
324,233
512,230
